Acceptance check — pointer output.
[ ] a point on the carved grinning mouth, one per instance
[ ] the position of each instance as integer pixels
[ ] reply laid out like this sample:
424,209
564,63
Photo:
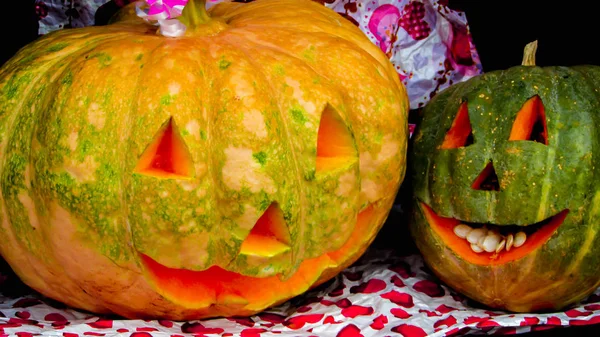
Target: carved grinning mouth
230,290
462,244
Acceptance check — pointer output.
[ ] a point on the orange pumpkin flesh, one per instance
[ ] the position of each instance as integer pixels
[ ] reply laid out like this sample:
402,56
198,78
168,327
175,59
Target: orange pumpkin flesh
198,289
444,228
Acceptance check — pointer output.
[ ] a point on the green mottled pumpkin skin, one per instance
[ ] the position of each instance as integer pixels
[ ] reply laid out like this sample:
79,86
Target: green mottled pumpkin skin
78,108
536,181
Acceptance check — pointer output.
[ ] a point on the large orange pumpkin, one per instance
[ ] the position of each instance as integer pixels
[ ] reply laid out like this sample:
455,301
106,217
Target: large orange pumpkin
214,174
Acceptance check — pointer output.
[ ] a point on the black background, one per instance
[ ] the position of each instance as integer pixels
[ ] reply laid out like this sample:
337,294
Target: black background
568,33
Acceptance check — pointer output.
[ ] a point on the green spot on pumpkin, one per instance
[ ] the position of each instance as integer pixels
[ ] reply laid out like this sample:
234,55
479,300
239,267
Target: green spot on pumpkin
15,83
103,58
309,54
29,58
260,157
68,79
224,64
13,172
107,98
310,175
84,148
278,69
184,132
166,100
139,57
298,114
264,201
57,47
203,135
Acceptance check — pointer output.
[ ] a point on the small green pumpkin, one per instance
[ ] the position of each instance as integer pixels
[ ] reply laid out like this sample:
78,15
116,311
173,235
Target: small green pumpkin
506,204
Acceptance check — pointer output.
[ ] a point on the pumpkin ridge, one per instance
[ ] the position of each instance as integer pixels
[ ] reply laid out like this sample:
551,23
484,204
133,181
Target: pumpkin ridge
126,178
585,248
80,59
275,48
33,191
9,120
320,36
330,26
283,122
242,12
211,107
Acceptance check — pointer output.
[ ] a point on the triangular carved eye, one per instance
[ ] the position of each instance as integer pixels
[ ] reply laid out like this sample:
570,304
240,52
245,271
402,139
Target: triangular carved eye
269,236
335,144
530,123
460,133
167,156
487,179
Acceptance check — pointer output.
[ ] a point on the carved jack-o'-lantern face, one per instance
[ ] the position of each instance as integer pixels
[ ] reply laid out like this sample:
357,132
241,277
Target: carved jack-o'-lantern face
505,199
217,173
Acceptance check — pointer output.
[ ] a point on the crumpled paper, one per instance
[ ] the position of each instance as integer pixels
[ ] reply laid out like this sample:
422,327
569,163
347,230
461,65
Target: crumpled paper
382,294
429,44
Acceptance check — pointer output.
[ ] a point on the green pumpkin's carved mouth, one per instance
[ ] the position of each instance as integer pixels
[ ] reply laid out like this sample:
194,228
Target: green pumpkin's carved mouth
488,244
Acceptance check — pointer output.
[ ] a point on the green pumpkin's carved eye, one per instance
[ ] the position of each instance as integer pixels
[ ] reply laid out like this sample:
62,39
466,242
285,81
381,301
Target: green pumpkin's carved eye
460,133
530,123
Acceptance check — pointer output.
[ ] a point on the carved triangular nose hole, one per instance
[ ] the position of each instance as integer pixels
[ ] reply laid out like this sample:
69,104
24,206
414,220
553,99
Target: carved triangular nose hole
487,179
270,235
167,156
461,132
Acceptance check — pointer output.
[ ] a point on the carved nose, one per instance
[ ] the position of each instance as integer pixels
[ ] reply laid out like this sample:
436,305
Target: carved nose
487,180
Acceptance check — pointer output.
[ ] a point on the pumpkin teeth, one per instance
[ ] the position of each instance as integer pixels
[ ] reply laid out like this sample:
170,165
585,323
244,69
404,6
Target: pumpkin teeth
494,239
488,244
483,239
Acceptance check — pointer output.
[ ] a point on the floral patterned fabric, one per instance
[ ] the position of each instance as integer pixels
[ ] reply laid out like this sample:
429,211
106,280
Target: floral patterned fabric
383,294
428,43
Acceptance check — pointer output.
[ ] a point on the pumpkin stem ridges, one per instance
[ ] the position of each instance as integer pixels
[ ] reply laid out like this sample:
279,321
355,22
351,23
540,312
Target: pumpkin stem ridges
529,54
194,14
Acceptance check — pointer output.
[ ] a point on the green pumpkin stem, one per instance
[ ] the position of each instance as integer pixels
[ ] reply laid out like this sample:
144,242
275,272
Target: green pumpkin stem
529,54
194,14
